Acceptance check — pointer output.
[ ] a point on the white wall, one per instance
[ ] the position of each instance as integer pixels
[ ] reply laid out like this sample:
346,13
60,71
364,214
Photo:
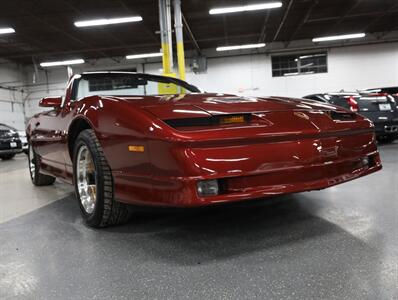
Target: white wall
51,84
350,68
11,101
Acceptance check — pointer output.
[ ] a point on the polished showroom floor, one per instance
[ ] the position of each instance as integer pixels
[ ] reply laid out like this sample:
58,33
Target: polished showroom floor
340,243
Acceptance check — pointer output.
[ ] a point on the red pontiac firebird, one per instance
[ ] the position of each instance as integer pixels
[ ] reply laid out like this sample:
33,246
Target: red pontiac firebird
126,138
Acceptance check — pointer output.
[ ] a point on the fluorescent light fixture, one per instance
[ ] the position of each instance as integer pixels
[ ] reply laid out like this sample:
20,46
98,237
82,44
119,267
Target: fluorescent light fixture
100,22
238,47
297,73
62,63
145,55
7,30
291,74
234,9
313,55
339,37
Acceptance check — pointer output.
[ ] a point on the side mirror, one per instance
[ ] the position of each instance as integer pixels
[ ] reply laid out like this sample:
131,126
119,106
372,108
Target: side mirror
51,102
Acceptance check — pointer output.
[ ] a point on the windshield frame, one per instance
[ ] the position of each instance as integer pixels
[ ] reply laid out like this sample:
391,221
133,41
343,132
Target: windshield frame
161,79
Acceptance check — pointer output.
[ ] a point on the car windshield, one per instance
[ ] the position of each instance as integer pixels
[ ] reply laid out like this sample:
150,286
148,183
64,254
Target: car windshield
5,127
129,84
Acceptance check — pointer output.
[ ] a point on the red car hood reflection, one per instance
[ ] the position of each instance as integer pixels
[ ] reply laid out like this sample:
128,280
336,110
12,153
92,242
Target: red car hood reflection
200,105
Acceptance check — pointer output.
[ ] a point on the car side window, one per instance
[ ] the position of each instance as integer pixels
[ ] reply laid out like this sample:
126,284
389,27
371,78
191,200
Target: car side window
75,88
82,89
316,98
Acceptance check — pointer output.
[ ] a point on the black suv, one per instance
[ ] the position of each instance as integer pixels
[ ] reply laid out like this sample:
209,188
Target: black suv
380,108
10,144
389,90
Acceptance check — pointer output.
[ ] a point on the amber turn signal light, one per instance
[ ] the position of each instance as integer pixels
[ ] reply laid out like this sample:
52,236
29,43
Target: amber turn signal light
232,119
136,148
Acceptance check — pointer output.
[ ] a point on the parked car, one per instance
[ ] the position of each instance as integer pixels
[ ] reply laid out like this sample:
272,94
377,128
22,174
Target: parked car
393,91
389,90
24,141
10,144
128,138
380,108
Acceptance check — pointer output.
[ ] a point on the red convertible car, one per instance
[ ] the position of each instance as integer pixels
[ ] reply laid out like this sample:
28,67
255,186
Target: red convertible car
126,138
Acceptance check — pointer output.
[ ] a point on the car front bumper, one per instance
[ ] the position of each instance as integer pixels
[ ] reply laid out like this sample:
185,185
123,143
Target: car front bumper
251,171
11,151
386,128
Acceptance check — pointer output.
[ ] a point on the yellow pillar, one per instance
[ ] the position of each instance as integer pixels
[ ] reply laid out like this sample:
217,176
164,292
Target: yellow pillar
181,60
166,59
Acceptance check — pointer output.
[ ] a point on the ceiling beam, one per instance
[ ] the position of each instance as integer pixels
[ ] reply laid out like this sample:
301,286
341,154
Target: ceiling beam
303,21
80,13
83,50
343,16
263,34
383,14
66,34
289,6
110,48
191,35
360,15
225,28
150,31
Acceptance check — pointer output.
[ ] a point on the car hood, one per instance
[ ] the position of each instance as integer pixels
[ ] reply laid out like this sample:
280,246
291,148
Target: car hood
201,105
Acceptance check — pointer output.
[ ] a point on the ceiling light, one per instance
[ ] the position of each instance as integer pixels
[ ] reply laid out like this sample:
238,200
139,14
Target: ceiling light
62,63
7,30
233,9
339,37
145,55
312,55
250,46
291,74
99,22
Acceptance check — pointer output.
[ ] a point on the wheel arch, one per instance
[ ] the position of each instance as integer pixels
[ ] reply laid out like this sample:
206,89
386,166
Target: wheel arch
79,124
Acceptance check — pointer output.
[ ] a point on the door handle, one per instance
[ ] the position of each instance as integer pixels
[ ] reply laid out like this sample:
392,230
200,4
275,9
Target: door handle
37,124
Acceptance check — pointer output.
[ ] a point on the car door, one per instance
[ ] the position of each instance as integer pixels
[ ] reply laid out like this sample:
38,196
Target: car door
49,136
49,139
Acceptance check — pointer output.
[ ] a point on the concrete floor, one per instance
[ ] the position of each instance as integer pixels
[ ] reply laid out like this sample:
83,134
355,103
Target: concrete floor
340,243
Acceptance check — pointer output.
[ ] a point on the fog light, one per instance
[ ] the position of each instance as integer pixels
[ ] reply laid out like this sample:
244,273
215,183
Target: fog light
365,161
208,188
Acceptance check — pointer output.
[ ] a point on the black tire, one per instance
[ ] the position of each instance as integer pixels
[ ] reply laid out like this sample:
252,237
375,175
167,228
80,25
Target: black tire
37,178
7,156
107,211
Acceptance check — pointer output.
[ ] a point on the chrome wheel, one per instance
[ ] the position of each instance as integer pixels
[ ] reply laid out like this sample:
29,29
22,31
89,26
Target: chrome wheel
86,179
32,165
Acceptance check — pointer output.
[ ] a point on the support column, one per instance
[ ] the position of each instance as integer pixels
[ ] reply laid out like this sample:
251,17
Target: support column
179,38
166,38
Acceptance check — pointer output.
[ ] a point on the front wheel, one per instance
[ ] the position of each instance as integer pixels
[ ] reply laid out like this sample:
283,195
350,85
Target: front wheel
93,183
7,156
37,178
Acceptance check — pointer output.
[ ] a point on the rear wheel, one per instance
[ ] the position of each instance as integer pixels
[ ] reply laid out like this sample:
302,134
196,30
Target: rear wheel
7,156
37,178
94,184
